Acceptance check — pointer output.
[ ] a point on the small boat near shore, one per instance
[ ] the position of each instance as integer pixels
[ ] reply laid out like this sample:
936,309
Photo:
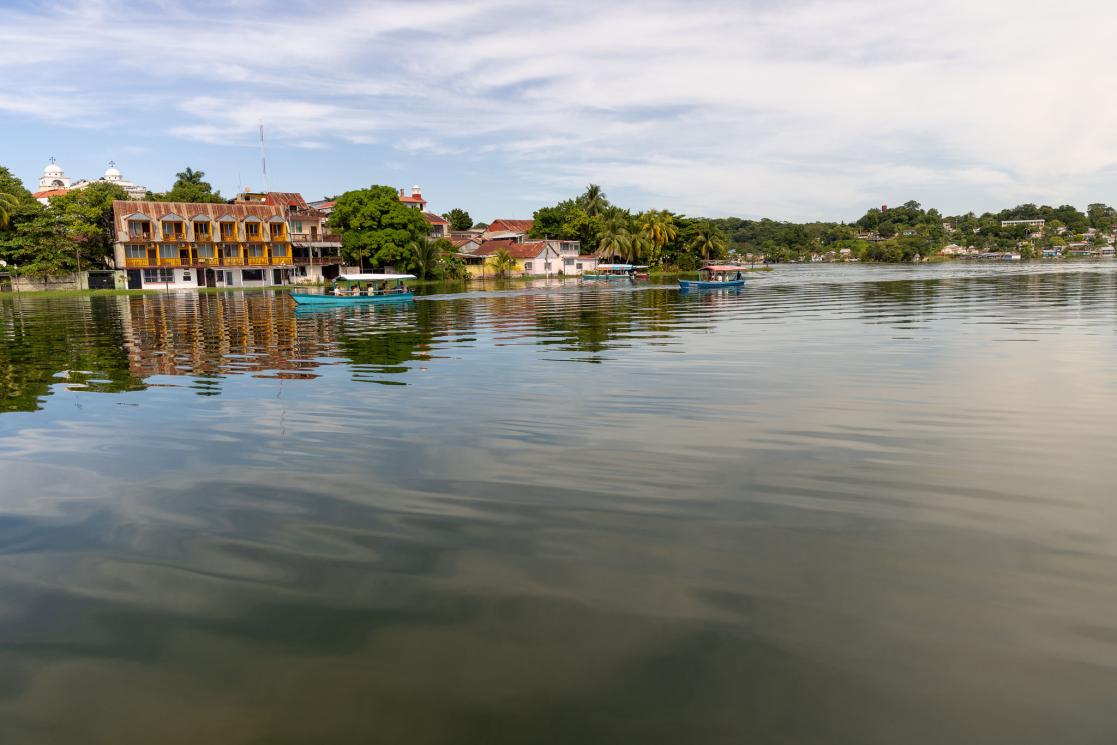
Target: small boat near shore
615,272
352,289
716,277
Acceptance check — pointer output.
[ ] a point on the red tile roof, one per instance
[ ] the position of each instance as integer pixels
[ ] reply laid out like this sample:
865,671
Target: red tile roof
286,199
434,219
190,210
526,250
49,193
459,242
500,225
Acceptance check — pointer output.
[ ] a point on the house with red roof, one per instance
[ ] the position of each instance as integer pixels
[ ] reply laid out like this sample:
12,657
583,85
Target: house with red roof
504,228
439,226
544,258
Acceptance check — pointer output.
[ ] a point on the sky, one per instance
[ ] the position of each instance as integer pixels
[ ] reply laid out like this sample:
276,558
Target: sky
789,109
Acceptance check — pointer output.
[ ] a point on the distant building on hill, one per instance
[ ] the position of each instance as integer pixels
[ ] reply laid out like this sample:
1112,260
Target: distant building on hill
1030,223
54,182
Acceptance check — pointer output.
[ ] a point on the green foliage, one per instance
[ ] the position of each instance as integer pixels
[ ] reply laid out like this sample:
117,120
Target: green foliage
594,201
377,229
74,232
481,226
459,219
568,220
427,259
503,263
189,186
615,238
708,241
8,204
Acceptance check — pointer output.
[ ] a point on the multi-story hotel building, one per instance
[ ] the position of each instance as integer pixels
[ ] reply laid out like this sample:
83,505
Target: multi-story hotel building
187,245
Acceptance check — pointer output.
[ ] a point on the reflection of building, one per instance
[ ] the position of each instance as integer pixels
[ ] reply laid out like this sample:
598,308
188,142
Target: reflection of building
315,251
187,245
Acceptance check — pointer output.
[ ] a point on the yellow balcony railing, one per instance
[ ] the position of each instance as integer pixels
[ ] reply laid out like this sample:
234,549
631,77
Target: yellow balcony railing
281,260
135,263
164,261
257,260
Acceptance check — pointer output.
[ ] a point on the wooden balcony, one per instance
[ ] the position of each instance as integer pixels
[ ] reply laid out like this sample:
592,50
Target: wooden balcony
140,238
316,260
165,261
281,261
137,263
257,261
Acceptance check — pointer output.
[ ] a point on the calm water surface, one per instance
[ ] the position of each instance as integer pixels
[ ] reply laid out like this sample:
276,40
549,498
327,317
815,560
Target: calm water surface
846,505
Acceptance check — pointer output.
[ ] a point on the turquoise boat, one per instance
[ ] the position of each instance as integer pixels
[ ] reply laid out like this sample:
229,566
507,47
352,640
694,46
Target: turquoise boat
612,272
715,277
356,289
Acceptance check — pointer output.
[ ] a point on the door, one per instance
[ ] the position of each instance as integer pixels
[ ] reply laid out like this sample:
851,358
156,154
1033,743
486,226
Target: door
135,279
210,278
277,275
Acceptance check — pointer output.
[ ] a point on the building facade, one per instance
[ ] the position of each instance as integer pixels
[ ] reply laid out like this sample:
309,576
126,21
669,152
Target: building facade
179,245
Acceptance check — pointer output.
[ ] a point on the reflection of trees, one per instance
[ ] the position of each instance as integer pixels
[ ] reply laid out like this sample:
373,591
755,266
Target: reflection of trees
598,321
46,342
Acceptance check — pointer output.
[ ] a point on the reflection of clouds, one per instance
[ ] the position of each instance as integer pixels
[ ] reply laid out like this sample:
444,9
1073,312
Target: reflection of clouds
800,504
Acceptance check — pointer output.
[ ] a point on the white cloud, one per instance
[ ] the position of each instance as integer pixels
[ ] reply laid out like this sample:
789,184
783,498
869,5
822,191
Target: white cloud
809,108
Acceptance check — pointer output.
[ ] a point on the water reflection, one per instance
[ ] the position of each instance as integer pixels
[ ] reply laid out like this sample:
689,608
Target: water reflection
845,505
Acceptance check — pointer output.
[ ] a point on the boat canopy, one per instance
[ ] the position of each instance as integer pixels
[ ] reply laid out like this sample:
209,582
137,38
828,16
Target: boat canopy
373,277
615,267
724,268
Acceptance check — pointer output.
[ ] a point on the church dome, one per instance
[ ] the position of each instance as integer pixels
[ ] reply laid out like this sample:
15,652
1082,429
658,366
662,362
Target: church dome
112,174
52,169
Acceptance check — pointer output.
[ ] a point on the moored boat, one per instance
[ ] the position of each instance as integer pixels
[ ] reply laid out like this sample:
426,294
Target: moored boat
612,272
360,288
715,277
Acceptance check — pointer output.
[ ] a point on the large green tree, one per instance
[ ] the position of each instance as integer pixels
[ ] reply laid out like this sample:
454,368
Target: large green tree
376,228
459,219
189,186
708,242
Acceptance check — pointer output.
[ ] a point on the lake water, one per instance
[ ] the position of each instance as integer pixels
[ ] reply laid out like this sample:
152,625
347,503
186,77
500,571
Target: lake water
845,505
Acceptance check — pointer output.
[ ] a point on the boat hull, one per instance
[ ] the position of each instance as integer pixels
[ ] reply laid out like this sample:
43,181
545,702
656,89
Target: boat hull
305,298
687,284
606,277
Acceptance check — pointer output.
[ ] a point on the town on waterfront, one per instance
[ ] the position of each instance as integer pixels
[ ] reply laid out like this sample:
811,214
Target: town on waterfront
110,233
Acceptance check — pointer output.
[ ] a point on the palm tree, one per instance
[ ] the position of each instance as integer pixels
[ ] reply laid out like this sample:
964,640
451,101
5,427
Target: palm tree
426,258
594,200
708,242
8,203
639,248
190,176
659,226
503,263
615,240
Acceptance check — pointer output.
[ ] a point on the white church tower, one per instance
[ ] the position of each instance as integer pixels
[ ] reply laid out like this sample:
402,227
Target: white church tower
53,177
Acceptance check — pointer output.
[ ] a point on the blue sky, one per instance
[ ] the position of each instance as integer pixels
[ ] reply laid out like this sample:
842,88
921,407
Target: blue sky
796,109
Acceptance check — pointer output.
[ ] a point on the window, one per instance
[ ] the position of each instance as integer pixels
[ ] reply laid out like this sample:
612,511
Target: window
298,227
547,267
132,251
252,231
168,251
186,277
173,231
568,262
228,231
202,231
253,275
527,266
278,230
139,229
255,250
164,276
205,252
280,250
579,265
